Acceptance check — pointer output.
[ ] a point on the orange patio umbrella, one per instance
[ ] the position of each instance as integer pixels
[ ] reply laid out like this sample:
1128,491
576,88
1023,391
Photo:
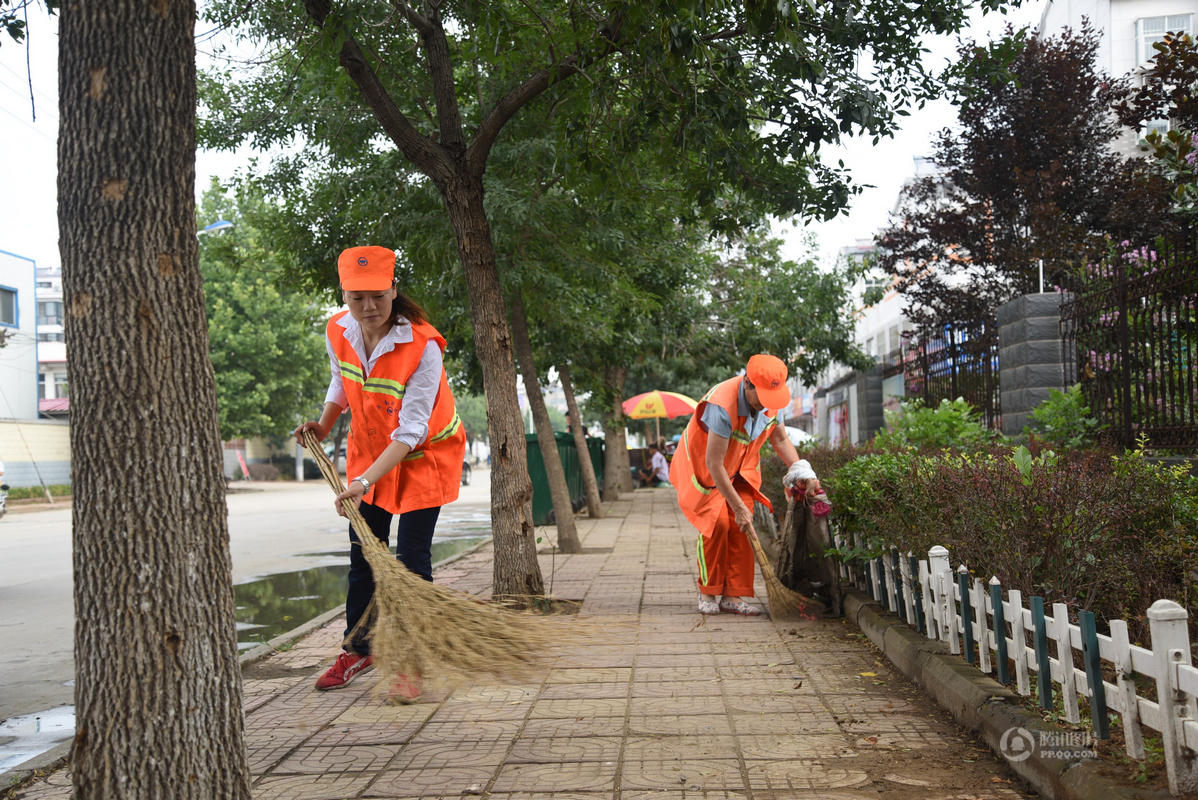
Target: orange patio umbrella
658,404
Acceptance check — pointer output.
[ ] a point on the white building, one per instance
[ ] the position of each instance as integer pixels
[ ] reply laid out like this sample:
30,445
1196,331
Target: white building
52,349
1128,29
18,327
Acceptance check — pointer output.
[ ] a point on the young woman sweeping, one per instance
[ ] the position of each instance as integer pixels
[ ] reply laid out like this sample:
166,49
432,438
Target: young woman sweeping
406,442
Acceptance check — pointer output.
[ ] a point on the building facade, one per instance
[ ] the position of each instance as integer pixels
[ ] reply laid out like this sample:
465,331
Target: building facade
18,329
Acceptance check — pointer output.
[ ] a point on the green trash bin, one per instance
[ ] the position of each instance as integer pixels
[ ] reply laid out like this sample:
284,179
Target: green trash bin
542,500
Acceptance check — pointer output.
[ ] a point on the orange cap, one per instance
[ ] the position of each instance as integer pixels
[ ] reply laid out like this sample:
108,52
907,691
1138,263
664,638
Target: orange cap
366,269
768,375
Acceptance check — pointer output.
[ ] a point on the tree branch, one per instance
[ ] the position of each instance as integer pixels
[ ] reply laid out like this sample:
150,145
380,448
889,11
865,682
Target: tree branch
525,93
440,68
428,156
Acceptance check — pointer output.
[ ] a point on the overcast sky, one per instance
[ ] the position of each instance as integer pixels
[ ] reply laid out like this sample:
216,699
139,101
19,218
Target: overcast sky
28,224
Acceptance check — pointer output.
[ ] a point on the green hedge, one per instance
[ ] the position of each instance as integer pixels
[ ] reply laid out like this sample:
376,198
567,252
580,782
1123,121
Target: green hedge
26,492
1108,533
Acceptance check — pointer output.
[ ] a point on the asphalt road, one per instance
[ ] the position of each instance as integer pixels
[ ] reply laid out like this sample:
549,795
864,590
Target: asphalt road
272,526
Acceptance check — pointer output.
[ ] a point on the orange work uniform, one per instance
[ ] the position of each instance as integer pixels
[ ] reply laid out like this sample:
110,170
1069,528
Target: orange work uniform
431,474
724,553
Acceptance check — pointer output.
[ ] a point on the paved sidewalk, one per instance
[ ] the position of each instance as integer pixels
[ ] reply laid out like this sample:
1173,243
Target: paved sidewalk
683,707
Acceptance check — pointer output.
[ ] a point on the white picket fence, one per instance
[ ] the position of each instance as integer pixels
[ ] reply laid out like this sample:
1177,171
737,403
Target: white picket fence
975,621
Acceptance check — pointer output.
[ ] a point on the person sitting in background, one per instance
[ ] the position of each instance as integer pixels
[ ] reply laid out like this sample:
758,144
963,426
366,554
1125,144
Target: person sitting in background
658,471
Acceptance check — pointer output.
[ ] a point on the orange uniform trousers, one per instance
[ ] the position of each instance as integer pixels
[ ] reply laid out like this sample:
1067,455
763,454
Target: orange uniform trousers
725,555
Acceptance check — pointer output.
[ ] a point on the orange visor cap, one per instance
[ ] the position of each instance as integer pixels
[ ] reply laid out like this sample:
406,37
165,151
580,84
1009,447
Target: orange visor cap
768,375
366,269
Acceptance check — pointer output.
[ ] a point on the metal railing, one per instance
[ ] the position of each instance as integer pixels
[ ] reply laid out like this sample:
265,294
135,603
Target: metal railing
957,360
1130,330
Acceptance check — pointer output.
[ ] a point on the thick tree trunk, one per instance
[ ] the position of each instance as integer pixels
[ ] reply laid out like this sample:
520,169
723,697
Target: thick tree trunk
516,572
158,685
590,484
563,508
617,475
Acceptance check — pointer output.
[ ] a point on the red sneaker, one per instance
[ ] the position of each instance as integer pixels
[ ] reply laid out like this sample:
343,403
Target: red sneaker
347,667
404,689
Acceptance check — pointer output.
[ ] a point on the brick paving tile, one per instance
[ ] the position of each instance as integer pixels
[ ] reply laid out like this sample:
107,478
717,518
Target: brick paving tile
560,727
579,708
591,776
565,750
440,782
458,712
569,675
708,774
663,748
860,704
311,787
570,691
437,755
705,688
365,733
680,674
494,694
699,725
680,794
788,686
468,731
807,774
676,706
765,747
334,759
375,712
805,723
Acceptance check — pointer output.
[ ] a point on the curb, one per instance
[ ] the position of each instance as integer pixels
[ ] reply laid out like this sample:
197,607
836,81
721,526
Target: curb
984,706
58,755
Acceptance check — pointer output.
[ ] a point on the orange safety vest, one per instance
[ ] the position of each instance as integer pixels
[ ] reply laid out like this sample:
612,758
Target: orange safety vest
430,475
698,497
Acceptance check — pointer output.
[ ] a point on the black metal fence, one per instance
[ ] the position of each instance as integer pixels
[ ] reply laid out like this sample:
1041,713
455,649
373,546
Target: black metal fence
1130,330
956,360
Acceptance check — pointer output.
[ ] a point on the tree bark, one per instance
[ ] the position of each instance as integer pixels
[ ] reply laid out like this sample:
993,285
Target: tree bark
563,507
158,685
617,475
589,483
516,571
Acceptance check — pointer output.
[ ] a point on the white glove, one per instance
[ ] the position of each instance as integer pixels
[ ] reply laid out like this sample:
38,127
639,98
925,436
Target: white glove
799,471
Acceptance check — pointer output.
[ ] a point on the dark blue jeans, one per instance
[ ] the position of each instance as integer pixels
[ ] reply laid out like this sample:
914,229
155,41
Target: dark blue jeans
414,541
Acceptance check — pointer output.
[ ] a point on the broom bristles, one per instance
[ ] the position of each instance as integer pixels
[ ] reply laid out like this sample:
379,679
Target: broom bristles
784,601
420,628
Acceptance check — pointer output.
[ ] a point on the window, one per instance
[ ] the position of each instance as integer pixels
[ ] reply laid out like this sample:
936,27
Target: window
50,337
60,385
8,306
1151,30
49,312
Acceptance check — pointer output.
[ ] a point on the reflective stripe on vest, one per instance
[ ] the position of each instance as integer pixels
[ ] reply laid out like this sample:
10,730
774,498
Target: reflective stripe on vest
448,430
350,371
384,386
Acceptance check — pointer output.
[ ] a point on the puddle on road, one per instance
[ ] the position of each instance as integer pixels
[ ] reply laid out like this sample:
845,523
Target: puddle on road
23,738
274,604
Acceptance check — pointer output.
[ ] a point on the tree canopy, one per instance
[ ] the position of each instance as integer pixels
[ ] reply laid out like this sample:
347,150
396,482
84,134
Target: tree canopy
1030,174
267,349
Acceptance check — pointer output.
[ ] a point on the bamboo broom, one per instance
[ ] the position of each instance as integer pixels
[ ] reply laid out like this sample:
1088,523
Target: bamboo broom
420,628
784,601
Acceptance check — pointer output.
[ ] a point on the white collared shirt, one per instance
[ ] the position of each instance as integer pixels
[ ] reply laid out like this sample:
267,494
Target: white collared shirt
420,392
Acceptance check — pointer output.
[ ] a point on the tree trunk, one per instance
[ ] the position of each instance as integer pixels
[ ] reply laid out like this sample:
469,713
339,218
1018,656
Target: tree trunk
563,507
158,685
589,483
516,571
617,475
